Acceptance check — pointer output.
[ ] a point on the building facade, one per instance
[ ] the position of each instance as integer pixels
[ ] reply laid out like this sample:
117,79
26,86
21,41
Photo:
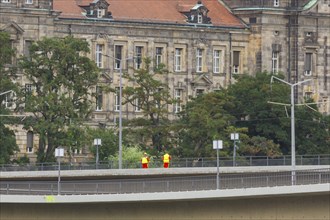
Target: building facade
202,44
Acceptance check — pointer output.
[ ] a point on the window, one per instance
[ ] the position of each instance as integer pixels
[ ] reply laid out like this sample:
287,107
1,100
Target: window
118,56
29,89
29,142
199,19
308,64
199,92
236,57
159,56
137,105
8,100
138,57
5,1
99,13
178,60
117,101
28,1
27,45
275,62
276,3
77,151
253,20
199,60
98,55
99,98
178,98
216,61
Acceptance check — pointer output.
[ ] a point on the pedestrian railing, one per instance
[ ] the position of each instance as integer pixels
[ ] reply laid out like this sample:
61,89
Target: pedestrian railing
177,162
168,184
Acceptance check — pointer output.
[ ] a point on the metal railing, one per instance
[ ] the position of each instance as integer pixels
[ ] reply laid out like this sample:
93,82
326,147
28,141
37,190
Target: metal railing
167,184
178,162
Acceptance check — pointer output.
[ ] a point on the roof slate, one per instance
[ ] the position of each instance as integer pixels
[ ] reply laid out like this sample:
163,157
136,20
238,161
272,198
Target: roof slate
157,11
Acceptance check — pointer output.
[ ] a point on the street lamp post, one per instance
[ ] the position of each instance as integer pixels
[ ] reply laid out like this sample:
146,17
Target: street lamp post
120,156
234,137
3,93
59,152
293,144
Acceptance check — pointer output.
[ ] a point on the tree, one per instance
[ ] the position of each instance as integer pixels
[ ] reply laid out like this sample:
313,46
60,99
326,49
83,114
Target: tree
8,144
312,131
203,120
109,140
252,110
148,93
131,156
61,79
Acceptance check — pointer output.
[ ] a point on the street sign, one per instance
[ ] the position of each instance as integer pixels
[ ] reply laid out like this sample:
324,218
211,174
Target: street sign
59,152
97,142
217,144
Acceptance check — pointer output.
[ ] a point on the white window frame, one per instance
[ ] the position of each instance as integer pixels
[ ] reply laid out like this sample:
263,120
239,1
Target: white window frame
29,88
178,98
199,60
236,68
275,63
178,59
137,104
138,57
159,55
117,104
199,18
217,61
29,2
99,99
276,3
5,1
99,55
309,72
99,13
118,61
77,151
28,134
8,101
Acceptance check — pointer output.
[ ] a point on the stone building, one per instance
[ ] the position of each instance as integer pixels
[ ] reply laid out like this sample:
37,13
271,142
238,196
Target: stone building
201,43
292,37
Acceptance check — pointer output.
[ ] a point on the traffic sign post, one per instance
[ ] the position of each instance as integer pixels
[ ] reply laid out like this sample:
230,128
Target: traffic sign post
59,152
217,144
97,143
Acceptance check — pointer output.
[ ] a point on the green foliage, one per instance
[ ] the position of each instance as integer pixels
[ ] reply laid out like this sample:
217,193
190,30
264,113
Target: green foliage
259,146
131,156
153,99
8,144
253,111
203,120
62,79
109,141
312,131
22,160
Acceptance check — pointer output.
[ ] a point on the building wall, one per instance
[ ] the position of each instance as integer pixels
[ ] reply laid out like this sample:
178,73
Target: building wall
269,30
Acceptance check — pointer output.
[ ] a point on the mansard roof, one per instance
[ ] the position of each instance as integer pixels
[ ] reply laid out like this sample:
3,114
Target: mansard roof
152,11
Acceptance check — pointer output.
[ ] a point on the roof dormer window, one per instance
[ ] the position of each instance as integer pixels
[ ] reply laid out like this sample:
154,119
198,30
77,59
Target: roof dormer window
100,13
200,19
97,9
198,14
